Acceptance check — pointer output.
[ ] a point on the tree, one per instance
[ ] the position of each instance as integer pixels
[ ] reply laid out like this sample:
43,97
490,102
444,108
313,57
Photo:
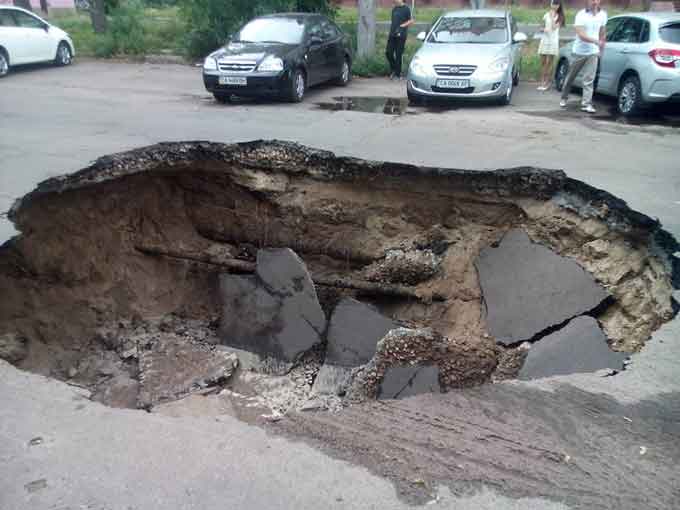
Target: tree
366,28
98,16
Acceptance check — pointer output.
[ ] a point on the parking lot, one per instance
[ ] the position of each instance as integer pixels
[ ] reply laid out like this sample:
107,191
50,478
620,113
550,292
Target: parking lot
57,120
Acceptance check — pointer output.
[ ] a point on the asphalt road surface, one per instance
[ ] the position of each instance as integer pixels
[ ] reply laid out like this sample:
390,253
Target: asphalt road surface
622,432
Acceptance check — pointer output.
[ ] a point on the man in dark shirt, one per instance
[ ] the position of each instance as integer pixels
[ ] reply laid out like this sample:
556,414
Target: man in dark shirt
401,20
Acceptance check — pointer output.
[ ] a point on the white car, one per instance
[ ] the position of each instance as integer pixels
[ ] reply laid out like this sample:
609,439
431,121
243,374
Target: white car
27,39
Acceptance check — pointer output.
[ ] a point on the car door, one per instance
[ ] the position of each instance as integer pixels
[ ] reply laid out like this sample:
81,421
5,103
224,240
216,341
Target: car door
618,29
333,49
315,56
12,37
631,39
39,44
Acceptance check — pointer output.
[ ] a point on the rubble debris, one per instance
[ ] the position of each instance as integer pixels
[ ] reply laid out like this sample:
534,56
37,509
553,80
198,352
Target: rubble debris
275,314
407,381
528,288
173,368
578,347
404,267
461,362
353,334
13,347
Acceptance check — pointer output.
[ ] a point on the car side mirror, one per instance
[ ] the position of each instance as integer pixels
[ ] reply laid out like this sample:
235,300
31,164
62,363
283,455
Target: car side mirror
519,37
421,36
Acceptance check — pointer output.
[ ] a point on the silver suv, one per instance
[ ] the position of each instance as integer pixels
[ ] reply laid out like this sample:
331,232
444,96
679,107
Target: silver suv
640,63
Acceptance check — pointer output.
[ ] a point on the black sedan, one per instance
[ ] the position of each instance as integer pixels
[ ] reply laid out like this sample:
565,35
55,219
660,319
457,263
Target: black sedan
280,55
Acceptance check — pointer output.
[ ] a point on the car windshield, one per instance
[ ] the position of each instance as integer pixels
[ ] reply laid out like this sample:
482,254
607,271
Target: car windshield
470,30
273,30
670,33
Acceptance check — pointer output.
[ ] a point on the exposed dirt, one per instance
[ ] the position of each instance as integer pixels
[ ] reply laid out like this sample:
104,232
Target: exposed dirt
146,233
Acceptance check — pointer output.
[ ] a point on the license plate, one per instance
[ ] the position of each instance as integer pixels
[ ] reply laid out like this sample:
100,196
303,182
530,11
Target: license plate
233,80
453,84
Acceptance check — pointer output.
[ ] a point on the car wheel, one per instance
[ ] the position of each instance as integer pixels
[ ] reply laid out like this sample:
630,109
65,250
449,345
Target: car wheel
507,97
561,74
298,87
629,101
4,64
222,98
63,57
345,75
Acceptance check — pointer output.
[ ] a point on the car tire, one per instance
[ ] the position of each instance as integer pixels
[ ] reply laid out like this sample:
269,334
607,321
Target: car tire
515,78
297,87
4,64
63,57
222,98
345,74
561,74
629,99
507,97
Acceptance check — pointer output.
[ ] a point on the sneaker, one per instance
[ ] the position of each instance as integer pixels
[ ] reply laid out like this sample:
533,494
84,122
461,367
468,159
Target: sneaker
563,103
588,108
542,88
392,76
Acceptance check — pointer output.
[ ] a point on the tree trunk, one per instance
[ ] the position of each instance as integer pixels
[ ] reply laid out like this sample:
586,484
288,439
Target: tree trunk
366,28
43,6
98,16
24,4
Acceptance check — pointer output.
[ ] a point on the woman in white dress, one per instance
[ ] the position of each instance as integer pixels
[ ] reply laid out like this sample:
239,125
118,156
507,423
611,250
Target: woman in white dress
549,46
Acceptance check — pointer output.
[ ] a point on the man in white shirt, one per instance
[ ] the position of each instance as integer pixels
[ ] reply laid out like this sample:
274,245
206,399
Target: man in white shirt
590,26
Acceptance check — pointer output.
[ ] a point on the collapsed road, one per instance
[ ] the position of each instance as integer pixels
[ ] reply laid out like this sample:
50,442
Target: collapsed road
268,278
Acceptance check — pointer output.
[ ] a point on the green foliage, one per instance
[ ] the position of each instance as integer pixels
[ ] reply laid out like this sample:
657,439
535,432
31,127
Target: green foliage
126,33
210,22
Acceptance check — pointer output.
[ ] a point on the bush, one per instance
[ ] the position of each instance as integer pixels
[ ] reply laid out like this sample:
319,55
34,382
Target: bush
126,34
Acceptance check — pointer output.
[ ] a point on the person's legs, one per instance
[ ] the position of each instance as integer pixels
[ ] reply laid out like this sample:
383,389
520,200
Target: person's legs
574,69
389,53
543,70
400,43
549,60
589,71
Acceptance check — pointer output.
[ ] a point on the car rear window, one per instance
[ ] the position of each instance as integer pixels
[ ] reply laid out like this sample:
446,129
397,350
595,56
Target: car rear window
470,30
670,33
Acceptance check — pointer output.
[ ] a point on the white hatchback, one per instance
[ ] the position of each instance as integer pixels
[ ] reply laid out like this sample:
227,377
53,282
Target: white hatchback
27,39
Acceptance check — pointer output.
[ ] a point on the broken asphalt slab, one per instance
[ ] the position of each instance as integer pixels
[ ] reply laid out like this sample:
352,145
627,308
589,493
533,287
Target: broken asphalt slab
353,335
407,381
579,347
274,314
528,288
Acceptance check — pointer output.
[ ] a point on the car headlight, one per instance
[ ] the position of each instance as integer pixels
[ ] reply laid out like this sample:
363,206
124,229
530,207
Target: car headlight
210,64
271,64
499,65
418,67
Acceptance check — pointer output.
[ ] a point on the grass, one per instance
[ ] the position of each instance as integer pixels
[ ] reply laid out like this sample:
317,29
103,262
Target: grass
163,31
